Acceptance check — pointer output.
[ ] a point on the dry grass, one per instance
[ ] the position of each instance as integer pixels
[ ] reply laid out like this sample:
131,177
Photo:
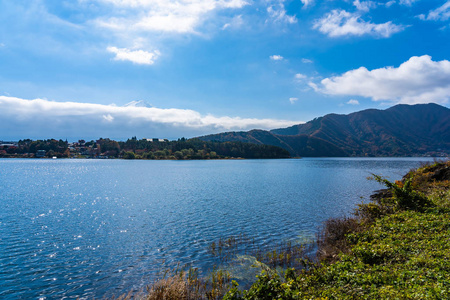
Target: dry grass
185,286
189,285
332,239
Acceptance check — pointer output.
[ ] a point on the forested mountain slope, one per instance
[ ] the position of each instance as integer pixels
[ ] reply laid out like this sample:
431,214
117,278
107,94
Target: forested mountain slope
402,130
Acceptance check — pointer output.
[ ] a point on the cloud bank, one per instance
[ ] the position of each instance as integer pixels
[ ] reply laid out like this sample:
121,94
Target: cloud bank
278,13
148,21
364,6
39,118
442,13
339,23
418,80
161,15
407,2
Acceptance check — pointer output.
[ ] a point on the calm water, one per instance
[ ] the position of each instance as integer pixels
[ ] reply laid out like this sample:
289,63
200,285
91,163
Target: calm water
94,228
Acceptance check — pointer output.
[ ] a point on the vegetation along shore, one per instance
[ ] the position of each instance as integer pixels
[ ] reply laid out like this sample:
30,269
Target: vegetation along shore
139,149
394,247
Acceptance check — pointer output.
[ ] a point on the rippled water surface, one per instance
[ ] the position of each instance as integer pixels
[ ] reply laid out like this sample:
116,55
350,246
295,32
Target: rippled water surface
94,228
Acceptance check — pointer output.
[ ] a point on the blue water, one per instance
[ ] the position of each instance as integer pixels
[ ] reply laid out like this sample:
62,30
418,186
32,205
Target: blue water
95,228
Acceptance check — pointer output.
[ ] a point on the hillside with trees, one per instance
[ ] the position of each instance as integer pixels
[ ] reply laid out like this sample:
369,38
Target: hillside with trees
402,130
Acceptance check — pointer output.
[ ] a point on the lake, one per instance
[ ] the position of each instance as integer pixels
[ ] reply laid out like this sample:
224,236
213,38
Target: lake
94,228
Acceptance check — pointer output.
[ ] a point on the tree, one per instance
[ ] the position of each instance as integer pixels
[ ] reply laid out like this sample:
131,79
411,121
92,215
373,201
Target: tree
66,153
178,155
129,155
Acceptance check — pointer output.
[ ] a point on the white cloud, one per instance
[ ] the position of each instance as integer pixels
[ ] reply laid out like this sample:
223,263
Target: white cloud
191,4
418,80
28,118
307,3
364,6
108,118
140,103
182,16
278,14
293,100
441,13
136,56
407,2
390,3
342,23
236,22
300,76
353,102
276,57
306,61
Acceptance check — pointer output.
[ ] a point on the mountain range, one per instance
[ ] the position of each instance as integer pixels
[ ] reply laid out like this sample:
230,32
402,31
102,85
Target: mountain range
402,130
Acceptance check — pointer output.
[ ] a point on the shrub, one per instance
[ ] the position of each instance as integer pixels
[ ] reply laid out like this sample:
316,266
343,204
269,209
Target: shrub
404,197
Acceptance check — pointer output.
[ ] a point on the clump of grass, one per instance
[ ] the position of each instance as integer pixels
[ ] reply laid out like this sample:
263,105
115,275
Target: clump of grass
332,239
174,287
189,285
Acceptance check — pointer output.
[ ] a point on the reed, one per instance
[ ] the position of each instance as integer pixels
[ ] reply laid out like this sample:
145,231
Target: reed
189,285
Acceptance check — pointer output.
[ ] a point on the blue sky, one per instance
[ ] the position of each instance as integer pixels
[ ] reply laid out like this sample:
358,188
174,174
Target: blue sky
162,68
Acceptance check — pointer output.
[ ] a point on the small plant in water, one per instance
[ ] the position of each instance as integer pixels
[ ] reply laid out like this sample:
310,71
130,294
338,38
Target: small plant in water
285,255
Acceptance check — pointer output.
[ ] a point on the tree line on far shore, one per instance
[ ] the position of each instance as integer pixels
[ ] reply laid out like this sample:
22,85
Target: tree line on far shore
141,149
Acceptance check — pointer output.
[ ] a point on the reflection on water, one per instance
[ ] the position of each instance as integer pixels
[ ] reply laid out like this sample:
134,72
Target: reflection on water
89,228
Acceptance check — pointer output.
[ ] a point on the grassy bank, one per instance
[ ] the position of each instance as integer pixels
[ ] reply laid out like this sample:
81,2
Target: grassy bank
395,247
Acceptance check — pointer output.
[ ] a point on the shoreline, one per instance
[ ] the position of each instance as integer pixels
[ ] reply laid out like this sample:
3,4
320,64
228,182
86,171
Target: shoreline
393,247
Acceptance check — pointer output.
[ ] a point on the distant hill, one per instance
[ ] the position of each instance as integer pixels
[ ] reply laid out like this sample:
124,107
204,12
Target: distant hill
402,130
